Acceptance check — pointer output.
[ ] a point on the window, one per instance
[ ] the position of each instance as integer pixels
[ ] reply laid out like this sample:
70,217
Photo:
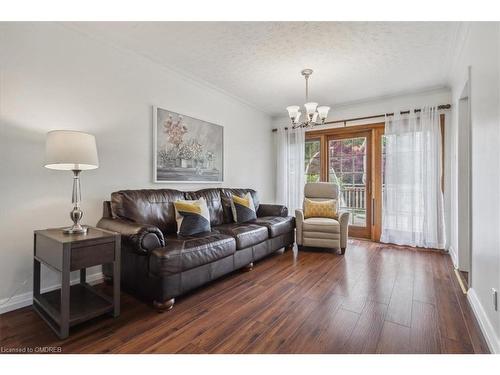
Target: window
347,169
312,162
344,155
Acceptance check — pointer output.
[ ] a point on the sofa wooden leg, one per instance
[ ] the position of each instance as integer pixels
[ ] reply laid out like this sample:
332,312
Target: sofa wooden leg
108,280
342,250
164,306
248,267
289,247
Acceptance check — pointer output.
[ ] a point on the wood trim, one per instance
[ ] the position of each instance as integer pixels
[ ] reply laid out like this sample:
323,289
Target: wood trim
376,197
324,158
344,129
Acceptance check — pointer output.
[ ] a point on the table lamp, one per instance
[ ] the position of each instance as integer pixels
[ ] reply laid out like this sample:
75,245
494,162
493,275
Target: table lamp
72,151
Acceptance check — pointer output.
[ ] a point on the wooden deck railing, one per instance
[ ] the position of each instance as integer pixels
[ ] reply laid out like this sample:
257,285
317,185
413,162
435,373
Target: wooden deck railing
354,197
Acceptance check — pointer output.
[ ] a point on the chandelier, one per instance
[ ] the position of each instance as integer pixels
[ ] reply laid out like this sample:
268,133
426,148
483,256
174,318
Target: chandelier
313,112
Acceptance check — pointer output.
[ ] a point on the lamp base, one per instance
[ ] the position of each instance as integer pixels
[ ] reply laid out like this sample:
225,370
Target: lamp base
76,213
75,229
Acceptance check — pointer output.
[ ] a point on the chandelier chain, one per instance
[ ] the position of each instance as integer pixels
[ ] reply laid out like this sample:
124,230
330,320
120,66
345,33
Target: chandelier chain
307,89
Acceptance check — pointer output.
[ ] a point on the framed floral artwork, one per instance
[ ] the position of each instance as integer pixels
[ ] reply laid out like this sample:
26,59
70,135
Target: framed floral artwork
186,149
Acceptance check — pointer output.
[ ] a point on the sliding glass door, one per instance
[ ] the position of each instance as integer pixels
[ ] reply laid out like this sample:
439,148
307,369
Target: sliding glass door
348,161
351,158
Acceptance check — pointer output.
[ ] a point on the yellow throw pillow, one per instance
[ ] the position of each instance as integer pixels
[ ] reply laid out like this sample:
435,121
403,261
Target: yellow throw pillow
243,208
326,208
192,217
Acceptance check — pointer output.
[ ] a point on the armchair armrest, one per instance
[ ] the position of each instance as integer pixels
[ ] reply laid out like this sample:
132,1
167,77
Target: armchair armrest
141,238
343,218
272,210
299,218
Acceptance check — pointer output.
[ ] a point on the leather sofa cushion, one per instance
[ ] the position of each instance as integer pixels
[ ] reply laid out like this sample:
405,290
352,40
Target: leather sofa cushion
272,210
276,225
245,234
183,253
149,206
214,203
321,224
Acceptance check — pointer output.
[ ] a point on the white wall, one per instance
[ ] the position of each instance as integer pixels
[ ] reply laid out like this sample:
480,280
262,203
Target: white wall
53,77
480,49
392,104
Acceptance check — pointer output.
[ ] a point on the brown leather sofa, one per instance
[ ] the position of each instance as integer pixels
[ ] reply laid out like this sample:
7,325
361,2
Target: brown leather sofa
159,265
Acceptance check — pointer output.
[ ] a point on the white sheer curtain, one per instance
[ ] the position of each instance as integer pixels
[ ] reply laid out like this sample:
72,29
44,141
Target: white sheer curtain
290,146
413,212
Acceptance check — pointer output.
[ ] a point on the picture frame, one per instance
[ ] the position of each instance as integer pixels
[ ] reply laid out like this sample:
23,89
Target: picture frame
186,149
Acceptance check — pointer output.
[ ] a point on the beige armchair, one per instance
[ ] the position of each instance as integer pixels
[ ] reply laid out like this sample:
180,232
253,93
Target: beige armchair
319,231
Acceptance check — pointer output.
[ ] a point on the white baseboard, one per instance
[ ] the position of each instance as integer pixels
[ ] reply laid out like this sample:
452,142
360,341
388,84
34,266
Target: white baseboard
486,327
26,299
454,256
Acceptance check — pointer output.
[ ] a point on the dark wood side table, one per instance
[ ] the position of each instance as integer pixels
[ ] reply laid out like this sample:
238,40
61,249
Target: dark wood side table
73,304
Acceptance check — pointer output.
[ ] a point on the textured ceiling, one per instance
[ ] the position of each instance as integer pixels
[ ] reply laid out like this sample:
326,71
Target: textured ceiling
260,62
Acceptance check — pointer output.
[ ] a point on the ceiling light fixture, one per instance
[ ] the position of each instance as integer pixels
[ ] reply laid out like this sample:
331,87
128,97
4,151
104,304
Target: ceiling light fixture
313,112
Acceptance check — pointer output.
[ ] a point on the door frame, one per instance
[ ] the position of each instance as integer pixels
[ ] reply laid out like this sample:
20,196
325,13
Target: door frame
464,182
374,133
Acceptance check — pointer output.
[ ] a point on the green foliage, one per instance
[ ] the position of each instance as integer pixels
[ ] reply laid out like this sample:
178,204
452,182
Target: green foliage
312,177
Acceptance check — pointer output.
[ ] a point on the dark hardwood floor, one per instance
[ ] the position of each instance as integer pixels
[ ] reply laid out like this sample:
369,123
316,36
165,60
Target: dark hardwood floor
375,299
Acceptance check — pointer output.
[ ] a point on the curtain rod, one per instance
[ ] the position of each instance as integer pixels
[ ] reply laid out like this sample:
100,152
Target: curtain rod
440,107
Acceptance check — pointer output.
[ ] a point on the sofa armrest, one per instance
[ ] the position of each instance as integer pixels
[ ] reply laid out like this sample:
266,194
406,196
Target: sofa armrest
299,218
343,218
272,210
141,238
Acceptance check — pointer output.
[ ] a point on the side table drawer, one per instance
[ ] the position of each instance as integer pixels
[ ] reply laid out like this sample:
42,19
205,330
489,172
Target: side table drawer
88,256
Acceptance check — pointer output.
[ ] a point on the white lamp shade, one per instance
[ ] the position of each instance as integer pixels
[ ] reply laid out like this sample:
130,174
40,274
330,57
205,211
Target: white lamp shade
315,117
310,108
298,117
70,150
323,111
293,111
